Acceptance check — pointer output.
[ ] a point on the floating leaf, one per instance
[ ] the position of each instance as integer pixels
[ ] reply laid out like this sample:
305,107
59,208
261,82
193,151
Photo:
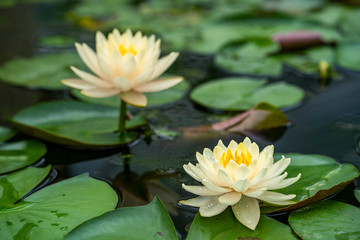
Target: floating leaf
6,133
57,41
357,194
151,221
321,176
55,210
346,58
40,72
239,94
328,220
76,124
154,99
226,226
16,185
17,155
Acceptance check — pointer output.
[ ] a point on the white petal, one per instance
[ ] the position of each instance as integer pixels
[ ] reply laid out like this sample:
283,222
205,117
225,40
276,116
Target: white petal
233,145
247,142
105,68
195,202
270,183
199,190
259,177
163,64
143,77
225,178
284,183
247,211
89,58
78,84
221,144
208,155
159,84
269,196
100,92
254,192
230,198
122,83
278,167
90,78
211,208
231,168
218,152
241,185
242,172
134,98
189,171
201,159
254,151
130,68
214,188
198,172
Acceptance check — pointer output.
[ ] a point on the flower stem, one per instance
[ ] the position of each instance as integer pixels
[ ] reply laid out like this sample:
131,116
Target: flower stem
122,117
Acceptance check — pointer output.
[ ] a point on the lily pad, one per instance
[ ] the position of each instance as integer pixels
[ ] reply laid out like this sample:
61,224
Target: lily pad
40,72
357,194
17,155
328,220
53,211
151,221
154,99
321,176
6,134
346,58
240,94
16,185
75,123
226,226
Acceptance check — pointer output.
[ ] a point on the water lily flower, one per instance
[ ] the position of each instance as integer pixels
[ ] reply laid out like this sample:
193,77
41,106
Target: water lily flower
238,176
124,64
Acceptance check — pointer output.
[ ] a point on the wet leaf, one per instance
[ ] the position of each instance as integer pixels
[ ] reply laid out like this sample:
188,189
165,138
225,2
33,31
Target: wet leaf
239,94
154,99
75,123
17,155
16,185
226,226
321,176
328,220
151,221
357,194
6,133
52,212
40,72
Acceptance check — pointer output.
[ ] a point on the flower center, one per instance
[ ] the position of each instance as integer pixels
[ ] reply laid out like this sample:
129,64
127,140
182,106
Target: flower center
123,50
242,155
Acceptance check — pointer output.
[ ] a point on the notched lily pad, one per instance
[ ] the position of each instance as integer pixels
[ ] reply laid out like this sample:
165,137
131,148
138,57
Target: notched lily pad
321,176
328,220
240,94
76,124
6,134
52,212
17,155
16,185
226,226
40,72
154,99
151,221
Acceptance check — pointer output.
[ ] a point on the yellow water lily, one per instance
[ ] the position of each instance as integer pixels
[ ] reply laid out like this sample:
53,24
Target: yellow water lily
124,64
238,176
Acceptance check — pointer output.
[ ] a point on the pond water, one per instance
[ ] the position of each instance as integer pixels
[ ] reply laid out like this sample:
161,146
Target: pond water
327,122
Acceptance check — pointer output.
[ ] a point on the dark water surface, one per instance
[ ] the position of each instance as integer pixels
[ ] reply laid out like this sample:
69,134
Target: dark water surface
328,122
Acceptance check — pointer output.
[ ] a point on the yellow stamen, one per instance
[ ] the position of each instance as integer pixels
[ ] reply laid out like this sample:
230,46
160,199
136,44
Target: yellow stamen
124,50
242,156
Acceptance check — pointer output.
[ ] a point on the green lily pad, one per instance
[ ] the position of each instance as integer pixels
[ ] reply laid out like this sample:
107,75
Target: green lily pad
6,134
40,72
239,94
17,155
357,194
346,58
57,41
75,123
321,176
327,220
16,185
226,226
154,99
54,211
151,221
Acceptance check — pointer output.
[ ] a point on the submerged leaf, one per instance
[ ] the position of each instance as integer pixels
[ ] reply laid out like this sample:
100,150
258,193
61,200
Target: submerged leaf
328,220
151,221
